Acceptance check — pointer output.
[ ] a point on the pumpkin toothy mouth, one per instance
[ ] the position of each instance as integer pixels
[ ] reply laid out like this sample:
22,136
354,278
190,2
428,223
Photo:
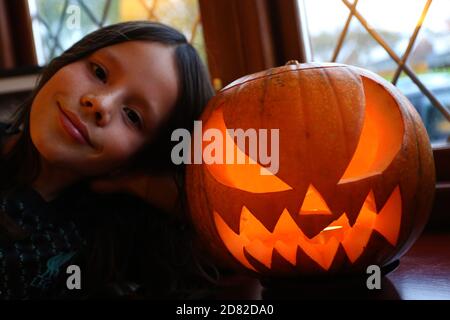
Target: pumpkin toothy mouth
287,237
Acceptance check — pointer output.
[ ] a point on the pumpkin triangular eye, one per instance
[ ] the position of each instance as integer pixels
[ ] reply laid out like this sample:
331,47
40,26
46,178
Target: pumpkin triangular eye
251,176
381,136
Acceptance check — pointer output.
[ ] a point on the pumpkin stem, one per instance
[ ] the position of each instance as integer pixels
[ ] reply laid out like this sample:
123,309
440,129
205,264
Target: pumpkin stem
292,62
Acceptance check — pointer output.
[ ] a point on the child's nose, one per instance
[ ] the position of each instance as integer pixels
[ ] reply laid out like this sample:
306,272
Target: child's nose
99,106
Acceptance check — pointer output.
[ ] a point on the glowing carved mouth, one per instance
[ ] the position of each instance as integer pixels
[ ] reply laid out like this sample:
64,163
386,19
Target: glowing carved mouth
286,237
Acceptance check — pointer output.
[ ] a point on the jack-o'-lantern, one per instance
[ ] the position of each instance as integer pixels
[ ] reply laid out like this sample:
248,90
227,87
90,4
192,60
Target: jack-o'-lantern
354,183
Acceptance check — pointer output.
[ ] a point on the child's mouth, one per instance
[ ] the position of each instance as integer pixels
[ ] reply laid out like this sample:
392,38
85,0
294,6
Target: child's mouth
73,126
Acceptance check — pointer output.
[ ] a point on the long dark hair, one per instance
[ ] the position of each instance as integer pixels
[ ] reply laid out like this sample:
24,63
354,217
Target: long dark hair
21,165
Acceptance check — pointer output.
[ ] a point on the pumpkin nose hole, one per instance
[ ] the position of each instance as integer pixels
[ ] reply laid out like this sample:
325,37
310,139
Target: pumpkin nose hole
313,203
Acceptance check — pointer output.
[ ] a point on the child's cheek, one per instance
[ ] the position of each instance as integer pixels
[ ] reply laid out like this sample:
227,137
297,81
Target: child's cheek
123,146
74,75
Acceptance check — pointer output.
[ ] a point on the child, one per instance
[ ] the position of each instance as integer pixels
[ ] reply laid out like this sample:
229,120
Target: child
106,107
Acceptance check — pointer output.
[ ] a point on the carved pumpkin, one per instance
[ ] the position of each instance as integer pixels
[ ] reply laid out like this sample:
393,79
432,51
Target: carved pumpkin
355,180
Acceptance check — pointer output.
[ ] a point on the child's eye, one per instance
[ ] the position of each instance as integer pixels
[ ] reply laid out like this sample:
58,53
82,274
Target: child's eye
133,116
99,72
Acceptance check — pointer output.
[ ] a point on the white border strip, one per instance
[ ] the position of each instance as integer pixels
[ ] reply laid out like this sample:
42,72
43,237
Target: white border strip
18,83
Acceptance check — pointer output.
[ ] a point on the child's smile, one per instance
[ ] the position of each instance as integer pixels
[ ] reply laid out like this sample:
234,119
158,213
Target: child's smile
74,127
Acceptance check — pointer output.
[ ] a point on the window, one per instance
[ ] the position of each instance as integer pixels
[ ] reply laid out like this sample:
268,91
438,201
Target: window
395,22
58,24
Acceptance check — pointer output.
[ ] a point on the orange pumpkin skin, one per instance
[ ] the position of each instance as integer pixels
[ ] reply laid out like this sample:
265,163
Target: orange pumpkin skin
355,181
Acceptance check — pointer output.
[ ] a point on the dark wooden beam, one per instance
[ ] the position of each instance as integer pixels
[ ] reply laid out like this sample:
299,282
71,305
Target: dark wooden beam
16,35
247,36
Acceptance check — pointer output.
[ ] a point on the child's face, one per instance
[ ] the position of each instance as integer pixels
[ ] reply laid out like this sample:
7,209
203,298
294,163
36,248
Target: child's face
119,95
